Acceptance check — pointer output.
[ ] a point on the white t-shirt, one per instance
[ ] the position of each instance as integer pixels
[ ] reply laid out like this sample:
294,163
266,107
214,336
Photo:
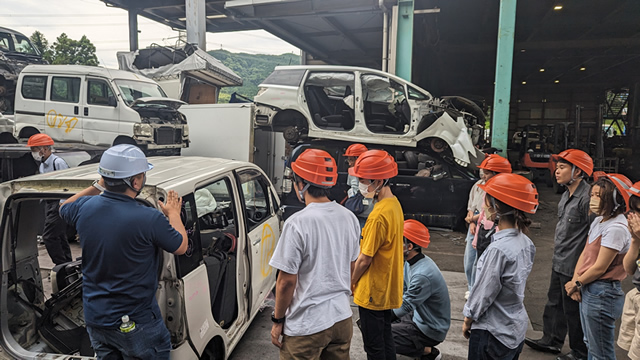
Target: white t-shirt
615,233
476,197
318,244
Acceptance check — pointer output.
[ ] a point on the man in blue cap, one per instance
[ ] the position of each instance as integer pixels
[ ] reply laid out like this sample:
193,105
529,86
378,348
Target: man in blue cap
120,239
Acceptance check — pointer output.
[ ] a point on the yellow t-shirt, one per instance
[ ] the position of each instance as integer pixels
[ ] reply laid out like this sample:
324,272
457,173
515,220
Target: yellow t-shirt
380,287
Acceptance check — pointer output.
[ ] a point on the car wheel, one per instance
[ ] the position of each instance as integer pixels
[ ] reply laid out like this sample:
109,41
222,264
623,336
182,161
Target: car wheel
291,134
465,105
412,159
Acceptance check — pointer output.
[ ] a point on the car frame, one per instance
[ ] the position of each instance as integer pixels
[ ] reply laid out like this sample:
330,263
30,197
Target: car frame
366,105
249,208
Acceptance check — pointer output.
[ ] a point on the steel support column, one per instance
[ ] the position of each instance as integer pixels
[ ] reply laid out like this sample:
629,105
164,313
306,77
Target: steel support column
504,66
196,14
404,40
133,30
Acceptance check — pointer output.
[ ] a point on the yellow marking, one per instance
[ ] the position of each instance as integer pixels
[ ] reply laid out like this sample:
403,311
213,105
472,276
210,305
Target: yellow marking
267,247
54,118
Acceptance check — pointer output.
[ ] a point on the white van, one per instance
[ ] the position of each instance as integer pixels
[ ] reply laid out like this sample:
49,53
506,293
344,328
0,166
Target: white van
208,296
97,106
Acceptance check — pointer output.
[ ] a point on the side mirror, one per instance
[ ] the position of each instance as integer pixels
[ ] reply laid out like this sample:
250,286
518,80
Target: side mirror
112,101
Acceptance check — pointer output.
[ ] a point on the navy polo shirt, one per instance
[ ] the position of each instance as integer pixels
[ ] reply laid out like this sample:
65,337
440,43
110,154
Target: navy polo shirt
121,240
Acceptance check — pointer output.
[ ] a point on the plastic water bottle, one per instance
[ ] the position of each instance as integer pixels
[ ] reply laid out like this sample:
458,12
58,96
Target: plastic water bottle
127,325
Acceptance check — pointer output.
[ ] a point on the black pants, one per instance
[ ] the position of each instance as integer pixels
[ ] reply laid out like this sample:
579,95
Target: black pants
561,314
55,234
408,338
484,346
376,334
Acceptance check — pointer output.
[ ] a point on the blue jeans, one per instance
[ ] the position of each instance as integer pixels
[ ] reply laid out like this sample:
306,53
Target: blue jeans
601,305
146,341
470,260
484,346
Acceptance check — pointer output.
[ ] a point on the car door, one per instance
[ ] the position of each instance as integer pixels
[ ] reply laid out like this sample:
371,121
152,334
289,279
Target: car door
30,102
263,229
63,121
101,113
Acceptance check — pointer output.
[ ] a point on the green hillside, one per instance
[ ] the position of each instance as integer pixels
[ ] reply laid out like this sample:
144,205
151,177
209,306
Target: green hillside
253,69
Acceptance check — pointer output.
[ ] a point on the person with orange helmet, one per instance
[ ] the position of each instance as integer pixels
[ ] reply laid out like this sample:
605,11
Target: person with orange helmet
596,278
56,233
629,335
491,165
377,277
496,300
425,314
315,254
561,313
355,202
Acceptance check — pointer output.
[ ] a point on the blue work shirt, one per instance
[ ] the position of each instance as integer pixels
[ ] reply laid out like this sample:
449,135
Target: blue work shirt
121,241
427,296
496,301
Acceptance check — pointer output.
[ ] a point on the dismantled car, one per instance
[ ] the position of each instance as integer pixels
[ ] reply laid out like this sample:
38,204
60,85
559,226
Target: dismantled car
431,188
208,296
16,52
365,105
98,106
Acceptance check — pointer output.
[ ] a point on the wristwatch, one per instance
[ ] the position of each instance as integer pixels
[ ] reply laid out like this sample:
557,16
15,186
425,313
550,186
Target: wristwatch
97,185
277,321
578,284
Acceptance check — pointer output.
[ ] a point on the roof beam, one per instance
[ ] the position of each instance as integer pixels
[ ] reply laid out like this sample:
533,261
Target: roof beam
547,45
344,33
283,32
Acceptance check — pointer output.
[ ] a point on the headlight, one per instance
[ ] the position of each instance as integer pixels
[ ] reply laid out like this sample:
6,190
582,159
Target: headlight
144,130
185,130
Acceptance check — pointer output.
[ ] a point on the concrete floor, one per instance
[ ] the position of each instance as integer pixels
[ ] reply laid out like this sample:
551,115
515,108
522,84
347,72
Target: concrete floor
446,249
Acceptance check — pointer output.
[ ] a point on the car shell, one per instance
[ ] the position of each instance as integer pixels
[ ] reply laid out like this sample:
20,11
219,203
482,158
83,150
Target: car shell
282,103
183,291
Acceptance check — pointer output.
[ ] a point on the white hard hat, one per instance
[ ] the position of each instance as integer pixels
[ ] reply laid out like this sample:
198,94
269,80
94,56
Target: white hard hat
123,161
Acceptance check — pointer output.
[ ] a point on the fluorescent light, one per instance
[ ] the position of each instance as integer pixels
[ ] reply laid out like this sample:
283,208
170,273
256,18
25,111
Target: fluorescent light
221,16
541,69
557,7
582,68
524,83
523,50
556,81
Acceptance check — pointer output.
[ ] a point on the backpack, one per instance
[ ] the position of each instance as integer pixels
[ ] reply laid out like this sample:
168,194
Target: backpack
484,237
355,204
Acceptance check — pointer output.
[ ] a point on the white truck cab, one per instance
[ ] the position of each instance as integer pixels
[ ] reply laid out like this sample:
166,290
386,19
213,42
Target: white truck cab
208,296
95,106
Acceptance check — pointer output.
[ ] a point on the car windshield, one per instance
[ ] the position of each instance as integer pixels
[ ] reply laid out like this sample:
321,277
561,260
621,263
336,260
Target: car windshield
23,45
132,90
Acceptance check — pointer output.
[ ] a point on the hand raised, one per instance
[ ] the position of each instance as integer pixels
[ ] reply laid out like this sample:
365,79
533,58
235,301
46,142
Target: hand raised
173,204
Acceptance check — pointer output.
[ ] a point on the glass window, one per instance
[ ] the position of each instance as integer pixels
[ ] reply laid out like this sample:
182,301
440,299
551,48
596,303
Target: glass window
214,207
23,45
65,89
285,77
99,93
5,42
256,198
34,87
414,94
132,90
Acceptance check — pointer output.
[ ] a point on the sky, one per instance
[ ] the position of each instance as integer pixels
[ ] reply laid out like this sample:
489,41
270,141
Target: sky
108,28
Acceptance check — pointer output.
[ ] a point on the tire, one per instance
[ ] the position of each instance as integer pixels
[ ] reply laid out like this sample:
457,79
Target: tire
463,104
27,132
412,159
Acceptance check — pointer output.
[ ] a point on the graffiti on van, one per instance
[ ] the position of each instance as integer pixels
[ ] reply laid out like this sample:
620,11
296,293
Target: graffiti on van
55,120
267,247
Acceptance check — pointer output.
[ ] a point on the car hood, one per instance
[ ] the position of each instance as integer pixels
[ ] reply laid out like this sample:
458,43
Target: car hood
146,101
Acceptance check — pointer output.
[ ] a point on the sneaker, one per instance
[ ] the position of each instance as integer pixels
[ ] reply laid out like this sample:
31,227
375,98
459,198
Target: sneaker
434,355
466,295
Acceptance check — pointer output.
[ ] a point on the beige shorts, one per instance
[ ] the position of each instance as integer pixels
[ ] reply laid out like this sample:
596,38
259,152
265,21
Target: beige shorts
629,337
330,344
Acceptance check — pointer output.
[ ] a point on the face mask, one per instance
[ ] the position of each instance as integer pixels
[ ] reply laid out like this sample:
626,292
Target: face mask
364,190
36,156
594,205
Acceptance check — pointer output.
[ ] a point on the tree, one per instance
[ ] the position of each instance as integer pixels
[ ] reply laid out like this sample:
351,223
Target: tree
66,50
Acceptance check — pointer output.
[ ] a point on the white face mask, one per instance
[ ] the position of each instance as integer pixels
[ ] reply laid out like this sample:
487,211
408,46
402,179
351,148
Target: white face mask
36,156
364,190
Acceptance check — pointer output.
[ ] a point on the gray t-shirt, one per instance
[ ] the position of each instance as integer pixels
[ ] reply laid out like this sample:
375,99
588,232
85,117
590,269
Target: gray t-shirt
572,229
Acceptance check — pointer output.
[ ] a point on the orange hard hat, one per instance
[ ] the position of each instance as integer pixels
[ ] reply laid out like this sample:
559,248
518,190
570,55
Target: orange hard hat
634,190
40,140
317,167
374,165
496,163
417,233
514,190
622,184
355,150
578,158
